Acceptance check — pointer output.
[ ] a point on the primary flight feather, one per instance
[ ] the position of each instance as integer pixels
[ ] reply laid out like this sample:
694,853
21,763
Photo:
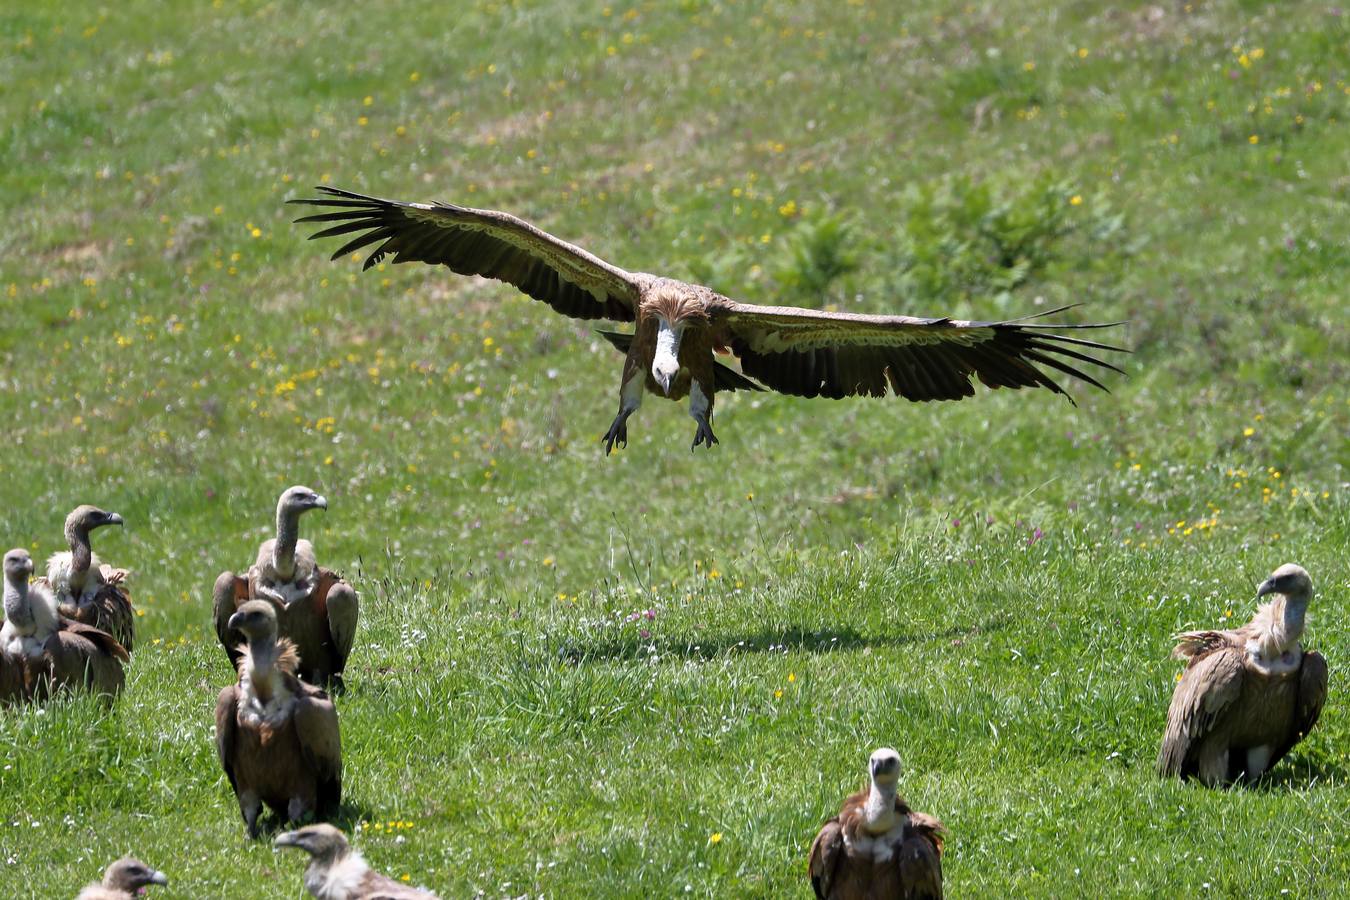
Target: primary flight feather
679,326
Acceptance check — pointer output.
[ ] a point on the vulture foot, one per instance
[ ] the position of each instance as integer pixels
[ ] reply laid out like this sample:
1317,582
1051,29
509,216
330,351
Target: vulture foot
617,434
704,435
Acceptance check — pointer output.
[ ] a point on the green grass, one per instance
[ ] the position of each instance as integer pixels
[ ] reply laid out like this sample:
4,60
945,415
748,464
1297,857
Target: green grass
176,351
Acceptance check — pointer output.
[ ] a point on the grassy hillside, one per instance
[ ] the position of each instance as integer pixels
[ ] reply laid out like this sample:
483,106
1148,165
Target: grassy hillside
657,673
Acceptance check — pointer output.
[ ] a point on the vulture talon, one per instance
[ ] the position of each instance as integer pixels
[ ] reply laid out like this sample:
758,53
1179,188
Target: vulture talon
617,434
704,435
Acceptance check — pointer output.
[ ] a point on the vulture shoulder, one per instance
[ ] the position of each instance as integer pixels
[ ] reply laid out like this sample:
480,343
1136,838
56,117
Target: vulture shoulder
316,727
826,851
108,608
341,607
1313,678
480,242
229,592
227,731
816,353
375,886
1209,686
82,657
920,860
99,892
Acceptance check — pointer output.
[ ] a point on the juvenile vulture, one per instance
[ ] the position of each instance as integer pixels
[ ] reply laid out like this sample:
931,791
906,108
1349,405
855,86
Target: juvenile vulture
277,737
86,589
877,848
337,872
316,609
1247,696
679,326
123,880
48,650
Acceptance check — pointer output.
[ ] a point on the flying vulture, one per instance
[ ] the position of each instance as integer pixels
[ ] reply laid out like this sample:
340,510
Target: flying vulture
877,848
337,872
125,879
48,650
1247,696
679,326
315,608
277,737
86,589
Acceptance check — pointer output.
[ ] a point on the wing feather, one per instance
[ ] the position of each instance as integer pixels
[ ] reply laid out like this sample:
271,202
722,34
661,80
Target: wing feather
1208,687
1312,695
813,353
479,242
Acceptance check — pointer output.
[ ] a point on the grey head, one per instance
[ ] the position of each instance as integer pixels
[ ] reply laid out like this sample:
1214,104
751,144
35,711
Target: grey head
130,874
321,841
299,499
884,766
256,619
85,518
1289,579
18,567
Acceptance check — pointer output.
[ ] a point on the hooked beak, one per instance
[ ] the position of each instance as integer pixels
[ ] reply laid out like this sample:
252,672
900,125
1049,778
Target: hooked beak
287,839
114,519
157,877
663,379
321,502
235,620
1266,587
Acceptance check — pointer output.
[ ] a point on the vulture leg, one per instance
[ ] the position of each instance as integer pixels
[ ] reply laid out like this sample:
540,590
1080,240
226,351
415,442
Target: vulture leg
700,408
1213,766
1258,761
229,591
341,604
250,807
630,398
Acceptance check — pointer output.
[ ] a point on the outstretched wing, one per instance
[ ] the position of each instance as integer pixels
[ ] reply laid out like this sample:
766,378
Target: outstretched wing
480,242
1208,687
814,353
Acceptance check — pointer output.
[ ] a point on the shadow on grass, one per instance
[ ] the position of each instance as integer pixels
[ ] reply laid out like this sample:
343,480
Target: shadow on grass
767,640
1299,774
348,815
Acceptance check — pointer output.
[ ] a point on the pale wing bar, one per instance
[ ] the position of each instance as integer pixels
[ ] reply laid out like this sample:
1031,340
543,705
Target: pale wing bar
478,242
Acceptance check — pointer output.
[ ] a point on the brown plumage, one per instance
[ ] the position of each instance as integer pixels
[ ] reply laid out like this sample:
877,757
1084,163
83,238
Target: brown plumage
123,880
88,590
316,609
1248,695
44,651
679,326
277,737
877,848
338,872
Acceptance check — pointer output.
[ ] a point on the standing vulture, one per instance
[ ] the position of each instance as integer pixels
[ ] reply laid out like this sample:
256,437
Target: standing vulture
1247,696
877,848
47,650
679,326
125,879
86,589
337,872
277,737
316,609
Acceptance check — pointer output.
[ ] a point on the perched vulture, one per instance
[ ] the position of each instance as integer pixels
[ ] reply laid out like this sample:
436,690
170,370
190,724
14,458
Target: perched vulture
277,736
316,609
679,326
45,650
877,848
123,880
1246,696
86,589
337,872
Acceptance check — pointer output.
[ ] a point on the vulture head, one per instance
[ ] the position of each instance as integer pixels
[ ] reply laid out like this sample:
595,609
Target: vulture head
131,875
673,313
84,519
256,619
884,766
1290,580
323,842
18,567
298,499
